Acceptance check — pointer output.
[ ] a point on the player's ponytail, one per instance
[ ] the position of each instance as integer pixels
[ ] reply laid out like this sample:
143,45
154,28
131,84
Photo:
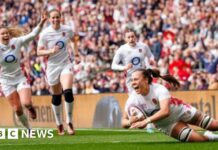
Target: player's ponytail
154,73
170,79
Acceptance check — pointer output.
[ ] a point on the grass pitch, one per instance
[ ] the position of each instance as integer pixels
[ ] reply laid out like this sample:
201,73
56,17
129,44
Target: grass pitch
105,139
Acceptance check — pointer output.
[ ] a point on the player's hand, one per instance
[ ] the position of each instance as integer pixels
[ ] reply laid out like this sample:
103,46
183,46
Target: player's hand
133,119
44,17
139,124
127,67
55,49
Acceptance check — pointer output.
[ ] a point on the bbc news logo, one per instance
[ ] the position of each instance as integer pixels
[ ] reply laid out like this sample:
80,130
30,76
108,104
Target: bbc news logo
12,133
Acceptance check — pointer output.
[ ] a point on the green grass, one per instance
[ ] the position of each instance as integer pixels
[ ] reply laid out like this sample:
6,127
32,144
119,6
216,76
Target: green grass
106,140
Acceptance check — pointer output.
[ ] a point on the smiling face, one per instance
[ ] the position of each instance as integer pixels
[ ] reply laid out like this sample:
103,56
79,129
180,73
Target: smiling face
4,36
55,19
130,38
139,83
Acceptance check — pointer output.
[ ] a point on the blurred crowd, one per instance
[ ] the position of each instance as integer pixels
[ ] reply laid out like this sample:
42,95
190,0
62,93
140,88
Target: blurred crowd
182,35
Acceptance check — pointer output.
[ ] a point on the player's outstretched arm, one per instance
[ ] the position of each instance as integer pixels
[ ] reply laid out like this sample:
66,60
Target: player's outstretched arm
29,37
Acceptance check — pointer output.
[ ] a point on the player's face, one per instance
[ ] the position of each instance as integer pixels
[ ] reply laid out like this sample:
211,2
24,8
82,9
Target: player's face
131,38
139,83
4,36
55,18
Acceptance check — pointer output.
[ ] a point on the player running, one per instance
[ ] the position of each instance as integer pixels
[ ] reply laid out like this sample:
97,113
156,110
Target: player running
13,82
53,44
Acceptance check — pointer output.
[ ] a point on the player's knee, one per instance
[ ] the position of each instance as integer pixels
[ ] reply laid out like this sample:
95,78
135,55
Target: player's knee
205,122
56,99
68,94
185,134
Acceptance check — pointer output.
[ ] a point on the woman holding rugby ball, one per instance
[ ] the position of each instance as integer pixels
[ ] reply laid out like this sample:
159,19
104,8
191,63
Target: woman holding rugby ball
154,104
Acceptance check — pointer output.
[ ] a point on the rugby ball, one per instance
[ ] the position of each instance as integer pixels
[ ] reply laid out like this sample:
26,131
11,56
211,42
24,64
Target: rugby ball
136,111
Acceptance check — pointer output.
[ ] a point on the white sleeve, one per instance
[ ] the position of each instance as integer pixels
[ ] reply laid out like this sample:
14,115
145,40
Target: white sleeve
129,102
148,52
42,41
126,108
148,57
163,93
116,60
133,100
29,37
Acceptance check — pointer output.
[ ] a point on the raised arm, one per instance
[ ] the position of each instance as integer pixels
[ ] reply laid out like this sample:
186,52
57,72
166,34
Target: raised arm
29,37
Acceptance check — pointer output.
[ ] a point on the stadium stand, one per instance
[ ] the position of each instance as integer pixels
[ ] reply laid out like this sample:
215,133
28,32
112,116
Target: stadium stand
183,36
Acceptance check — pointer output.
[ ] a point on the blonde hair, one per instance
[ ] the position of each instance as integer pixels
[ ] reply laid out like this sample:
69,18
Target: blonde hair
14,31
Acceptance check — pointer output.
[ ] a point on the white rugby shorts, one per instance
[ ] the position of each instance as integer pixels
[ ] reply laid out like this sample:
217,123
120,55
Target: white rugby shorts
53,73
9,89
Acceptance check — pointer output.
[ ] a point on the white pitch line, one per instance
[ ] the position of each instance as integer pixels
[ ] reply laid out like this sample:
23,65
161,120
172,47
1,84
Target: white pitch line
112,142
88,129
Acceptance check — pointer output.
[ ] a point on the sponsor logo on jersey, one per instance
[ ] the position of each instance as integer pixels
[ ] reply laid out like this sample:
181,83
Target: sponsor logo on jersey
60,44
63,33
140,50
10,59
135,60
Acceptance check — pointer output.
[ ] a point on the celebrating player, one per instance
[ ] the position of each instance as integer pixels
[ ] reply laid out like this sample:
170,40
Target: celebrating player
170,115
53,43
14,84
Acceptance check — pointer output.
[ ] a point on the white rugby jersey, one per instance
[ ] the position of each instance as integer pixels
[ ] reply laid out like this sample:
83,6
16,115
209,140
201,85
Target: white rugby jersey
51,37
150,104
10,58
138,56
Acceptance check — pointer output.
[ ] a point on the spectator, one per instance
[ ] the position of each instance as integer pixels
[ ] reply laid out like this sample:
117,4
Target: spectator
164,25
